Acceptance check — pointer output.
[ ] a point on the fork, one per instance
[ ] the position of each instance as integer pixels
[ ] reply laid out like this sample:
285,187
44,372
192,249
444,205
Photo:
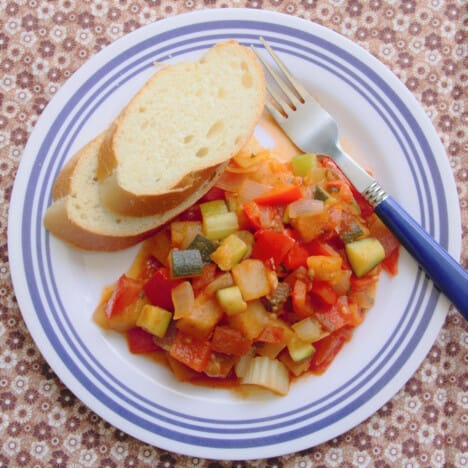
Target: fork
314,130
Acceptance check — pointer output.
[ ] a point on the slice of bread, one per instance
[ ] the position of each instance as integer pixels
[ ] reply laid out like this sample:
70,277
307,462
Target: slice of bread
188,118
78,217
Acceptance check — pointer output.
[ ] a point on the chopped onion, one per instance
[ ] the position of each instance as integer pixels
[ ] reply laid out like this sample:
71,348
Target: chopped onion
251,189
267,373
230,182
183,299
305,206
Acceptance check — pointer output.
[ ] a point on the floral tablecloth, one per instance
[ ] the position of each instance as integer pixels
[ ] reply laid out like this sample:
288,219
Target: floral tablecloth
42,43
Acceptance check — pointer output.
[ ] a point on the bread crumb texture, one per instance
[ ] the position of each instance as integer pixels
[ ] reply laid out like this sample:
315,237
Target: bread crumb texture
194,114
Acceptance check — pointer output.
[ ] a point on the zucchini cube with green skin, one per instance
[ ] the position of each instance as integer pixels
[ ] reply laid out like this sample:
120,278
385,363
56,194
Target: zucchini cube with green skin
364,255
230,252
154,320
213,207
303,163
230,299
204,246
299,349
186,263
220,225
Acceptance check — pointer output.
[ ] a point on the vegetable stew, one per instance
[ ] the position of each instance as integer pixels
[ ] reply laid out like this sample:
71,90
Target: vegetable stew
261,281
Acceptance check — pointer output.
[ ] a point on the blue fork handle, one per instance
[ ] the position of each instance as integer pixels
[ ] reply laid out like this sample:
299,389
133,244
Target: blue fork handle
448,275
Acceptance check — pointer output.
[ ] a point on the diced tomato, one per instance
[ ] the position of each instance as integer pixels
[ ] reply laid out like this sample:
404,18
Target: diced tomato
158,288
365,207
261,217
215,193
125,292
190,351
324,291
390,262
281,195
150,266
327,348
296,257
271,247
228,340
208,275
341,188
302,304
191,214
331,318
318,247
271,334
140,341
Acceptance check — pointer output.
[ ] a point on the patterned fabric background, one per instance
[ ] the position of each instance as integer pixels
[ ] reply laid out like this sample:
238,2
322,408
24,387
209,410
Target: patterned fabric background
42,43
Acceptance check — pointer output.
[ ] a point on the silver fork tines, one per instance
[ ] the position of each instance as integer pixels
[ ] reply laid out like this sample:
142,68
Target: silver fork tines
314,130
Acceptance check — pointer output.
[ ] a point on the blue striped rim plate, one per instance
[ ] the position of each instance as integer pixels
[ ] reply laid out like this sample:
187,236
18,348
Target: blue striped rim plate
58,287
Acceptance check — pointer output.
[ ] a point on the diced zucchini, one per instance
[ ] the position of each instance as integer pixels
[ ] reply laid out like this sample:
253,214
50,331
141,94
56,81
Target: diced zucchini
267,373
154,320
303,163
309,330
230,252
252,278
219,226
212,208
186,263
204,246
320,193
231,300
352,232
364,255
299,349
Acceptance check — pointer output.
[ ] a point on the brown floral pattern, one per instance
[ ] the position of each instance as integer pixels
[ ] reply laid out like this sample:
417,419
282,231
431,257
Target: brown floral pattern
42,43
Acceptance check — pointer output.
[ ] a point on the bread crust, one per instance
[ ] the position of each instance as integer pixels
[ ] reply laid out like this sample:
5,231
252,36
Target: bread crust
120,200
128,204
79,233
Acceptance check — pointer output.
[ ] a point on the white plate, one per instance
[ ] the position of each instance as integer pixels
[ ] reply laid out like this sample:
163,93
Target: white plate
58,287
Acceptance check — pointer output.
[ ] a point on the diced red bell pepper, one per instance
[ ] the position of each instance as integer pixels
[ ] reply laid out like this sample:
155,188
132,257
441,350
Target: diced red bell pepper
140,341
271,247
271,334
280,195
158,289
228,340
324,291
296,257
327,348
192,352
125,292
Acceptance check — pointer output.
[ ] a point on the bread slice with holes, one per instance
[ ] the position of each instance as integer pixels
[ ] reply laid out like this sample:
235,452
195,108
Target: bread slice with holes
187,119
78,217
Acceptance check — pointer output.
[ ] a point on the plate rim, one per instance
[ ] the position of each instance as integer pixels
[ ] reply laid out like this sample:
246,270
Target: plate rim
201,16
